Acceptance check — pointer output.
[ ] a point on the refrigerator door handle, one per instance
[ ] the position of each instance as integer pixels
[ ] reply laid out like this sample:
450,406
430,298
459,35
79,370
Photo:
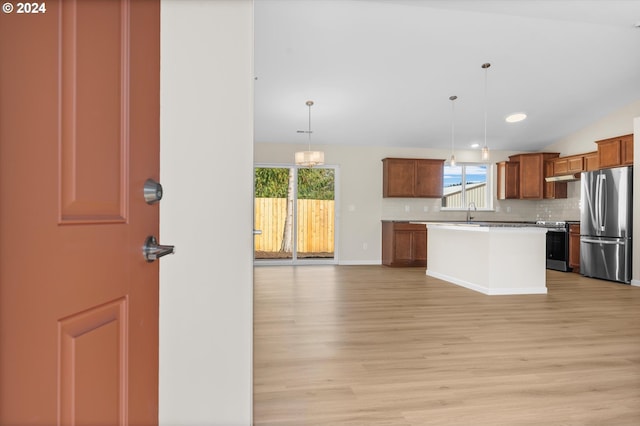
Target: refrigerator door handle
591,240
603,202
597,204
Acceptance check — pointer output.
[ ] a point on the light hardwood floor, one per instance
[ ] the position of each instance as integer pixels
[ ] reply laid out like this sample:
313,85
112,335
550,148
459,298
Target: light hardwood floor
371,345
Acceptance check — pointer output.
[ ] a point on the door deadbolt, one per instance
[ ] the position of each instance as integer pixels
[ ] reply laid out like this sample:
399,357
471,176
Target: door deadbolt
152,250
152,191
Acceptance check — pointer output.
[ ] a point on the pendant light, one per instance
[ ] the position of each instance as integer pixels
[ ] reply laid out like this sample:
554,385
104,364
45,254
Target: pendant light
485,148
309,158
452,161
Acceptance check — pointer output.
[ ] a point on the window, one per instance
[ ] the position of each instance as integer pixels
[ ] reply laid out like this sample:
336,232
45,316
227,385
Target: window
467,183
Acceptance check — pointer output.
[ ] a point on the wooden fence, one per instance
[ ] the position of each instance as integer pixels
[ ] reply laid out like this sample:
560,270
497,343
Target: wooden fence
316,224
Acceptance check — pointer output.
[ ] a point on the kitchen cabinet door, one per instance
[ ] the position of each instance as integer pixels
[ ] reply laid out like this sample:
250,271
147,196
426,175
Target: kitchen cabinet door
508,183
531,177
591,161
574,247
398,177
429,177
560,167
575,164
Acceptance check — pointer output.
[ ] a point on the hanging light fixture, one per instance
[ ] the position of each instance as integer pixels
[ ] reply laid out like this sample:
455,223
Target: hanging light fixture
452,161
485,148
309,158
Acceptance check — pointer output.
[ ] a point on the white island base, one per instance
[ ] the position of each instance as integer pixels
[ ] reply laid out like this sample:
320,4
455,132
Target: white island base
493,260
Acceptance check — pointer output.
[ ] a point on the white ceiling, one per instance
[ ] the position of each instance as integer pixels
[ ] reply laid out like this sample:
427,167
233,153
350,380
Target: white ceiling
381,72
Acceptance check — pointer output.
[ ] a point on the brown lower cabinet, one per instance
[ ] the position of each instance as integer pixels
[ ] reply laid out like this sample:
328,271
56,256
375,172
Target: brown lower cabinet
404,244
574,247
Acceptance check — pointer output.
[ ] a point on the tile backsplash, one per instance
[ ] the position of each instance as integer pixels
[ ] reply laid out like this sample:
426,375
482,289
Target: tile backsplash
562,209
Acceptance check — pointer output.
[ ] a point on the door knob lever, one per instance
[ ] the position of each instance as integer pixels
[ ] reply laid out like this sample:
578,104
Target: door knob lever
152,250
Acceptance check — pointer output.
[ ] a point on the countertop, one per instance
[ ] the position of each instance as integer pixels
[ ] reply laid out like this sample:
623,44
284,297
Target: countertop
480,223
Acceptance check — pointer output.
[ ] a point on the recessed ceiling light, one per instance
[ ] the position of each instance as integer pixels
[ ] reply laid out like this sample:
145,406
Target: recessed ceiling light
514,118
475,145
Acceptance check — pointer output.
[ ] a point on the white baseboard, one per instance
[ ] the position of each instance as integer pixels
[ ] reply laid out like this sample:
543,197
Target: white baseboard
498,291
635,283
360,262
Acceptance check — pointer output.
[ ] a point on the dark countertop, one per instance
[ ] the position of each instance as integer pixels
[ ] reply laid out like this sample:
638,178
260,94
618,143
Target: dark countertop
479,222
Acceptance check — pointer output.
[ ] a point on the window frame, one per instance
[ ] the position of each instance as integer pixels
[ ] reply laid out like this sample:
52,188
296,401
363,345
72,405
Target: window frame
489,188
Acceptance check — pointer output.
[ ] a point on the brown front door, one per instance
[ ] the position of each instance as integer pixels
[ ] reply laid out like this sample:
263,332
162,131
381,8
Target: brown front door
79,135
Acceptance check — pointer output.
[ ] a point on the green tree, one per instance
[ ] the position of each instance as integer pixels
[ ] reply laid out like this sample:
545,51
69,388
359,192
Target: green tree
316,184
271,182
313,183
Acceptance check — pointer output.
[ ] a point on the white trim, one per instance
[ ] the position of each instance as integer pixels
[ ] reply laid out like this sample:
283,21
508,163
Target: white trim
635,283
488,291
360,262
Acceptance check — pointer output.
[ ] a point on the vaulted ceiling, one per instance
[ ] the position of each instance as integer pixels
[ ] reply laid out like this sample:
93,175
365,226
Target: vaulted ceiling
381,72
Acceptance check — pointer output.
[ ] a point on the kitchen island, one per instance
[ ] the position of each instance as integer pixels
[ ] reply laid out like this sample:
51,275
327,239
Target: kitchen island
492,258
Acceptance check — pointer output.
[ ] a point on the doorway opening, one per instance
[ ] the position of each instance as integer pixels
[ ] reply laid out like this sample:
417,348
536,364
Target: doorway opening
295,215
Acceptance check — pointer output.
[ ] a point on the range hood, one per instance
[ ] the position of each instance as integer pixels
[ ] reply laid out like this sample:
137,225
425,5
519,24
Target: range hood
563,178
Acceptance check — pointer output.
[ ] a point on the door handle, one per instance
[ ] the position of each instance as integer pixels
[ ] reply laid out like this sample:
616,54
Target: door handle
603,242
152,250
257,232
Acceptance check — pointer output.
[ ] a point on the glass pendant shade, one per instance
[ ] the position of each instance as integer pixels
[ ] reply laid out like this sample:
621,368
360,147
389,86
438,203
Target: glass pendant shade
309,158
485,152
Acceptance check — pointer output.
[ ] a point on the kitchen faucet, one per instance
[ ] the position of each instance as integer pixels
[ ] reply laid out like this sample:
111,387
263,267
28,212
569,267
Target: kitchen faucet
469,217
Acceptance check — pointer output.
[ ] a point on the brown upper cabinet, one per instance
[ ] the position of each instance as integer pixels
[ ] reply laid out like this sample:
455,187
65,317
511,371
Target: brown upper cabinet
568,165
591,161
614,152
530,172
412,177
508,183
574,164
554,189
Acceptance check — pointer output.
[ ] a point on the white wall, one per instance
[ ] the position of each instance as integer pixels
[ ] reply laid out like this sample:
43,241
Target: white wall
206,169
618,123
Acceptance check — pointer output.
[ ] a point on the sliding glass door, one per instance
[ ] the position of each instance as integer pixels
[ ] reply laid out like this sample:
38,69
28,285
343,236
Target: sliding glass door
294,214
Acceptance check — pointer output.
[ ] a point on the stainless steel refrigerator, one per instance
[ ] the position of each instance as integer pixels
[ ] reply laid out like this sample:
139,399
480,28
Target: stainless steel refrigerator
605,224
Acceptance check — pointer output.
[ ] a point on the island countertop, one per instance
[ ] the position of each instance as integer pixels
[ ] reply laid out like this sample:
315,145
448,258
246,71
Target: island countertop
480,224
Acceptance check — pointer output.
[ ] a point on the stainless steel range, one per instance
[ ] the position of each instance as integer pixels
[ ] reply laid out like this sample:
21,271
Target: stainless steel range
557,244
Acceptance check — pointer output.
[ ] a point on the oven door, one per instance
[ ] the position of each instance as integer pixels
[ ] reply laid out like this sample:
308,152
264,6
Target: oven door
558,249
